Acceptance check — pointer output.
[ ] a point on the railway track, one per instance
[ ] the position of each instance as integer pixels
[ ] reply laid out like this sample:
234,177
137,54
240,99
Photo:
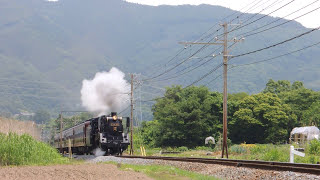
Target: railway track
267,165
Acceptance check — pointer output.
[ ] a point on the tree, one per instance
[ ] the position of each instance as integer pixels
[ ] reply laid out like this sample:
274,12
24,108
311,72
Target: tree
312,115
300,100
261,118
277,87
184,117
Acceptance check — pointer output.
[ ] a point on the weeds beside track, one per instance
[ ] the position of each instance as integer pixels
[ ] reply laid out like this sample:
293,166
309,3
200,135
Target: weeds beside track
268,165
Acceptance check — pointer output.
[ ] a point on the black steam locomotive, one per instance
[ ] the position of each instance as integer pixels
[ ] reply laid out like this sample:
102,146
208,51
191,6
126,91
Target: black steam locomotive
107,132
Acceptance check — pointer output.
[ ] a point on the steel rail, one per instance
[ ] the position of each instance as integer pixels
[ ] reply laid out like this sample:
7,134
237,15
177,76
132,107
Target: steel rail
267,165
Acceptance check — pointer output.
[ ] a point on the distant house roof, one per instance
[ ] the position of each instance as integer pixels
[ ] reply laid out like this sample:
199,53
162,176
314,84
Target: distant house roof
311,132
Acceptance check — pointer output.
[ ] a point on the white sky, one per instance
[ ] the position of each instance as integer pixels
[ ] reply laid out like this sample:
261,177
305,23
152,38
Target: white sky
311,20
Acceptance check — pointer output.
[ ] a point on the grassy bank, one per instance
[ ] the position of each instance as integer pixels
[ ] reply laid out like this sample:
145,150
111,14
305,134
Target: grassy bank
270,152
265,152
24,150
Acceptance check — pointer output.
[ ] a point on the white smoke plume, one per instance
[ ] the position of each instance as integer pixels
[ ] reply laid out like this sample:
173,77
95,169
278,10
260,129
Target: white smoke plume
106,92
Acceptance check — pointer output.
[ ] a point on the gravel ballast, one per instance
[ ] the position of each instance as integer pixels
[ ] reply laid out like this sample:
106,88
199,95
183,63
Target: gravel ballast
220,171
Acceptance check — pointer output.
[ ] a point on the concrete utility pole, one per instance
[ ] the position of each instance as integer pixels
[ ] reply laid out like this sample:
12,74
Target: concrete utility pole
131,117
225,72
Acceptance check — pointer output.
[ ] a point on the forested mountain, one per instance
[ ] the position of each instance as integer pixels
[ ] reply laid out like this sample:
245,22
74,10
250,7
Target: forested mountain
47,49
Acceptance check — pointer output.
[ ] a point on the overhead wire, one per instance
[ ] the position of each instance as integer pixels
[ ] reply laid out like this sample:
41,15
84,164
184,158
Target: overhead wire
244,34
261,61
283,23
205,75
237,17
274,45
168,70
269,59
240,27
236,12
194,68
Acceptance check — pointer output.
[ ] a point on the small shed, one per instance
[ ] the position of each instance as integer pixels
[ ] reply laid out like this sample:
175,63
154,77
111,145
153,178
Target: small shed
302,135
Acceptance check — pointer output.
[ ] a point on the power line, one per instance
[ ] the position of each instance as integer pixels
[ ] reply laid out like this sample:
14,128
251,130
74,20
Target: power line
178,75
237,17
166,71
282,42
269,59
154,87
283,23
207,74
244,34
269,6
173,77
227,18
124,109
240,27
234,66
256,62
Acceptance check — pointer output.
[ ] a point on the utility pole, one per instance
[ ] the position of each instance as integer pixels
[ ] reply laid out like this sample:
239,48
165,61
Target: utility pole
225,72
131,117
225,91
61,151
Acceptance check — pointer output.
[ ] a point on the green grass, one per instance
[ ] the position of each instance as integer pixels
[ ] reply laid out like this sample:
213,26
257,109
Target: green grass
165,172
24,150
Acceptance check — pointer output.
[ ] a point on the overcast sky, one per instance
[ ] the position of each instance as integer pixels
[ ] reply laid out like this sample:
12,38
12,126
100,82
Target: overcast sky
311,20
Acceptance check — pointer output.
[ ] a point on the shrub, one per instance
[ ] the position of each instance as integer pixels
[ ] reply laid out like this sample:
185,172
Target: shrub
277,154
24,150
314,147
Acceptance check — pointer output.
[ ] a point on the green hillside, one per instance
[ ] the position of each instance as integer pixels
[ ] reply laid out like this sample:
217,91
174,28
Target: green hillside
47,49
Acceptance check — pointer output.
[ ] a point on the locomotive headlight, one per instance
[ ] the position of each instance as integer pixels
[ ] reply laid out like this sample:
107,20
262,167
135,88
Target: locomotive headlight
114,118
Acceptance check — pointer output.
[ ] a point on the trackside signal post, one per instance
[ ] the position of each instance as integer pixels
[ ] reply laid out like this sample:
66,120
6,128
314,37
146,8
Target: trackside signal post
225,72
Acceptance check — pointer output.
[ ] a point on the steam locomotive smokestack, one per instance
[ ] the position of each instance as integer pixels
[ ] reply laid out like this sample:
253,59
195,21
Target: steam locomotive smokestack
106,92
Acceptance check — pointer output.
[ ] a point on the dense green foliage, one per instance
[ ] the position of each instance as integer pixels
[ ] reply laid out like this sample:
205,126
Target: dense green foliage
260,118
314,147
185,117
48,48
24,150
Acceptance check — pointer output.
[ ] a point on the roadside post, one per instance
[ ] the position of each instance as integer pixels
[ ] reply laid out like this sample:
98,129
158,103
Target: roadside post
294,152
